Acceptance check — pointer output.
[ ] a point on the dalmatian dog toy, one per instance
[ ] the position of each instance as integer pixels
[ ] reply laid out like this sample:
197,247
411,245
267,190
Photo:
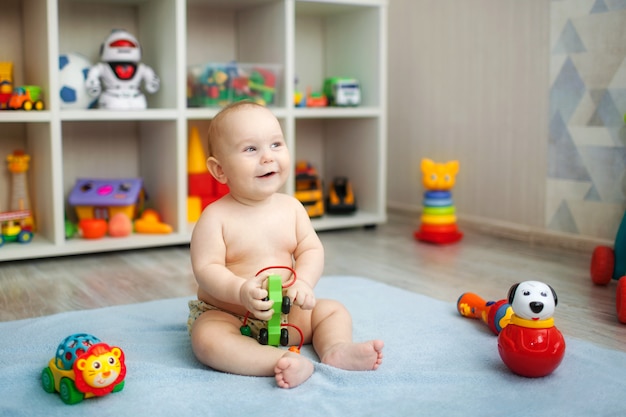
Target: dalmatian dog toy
121,74
530,345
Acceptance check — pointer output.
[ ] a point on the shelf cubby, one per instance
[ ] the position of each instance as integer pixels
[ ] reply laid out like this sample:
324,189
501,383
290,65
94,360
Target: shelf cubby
307,40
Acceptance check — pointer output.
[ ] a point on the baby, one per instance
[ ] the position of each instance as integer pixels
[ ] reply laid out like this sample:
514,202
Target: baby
253,227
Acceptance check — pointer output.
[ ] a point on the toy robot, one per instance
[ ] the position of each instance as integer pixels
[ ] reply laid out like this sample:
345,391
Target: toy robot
530,345
121,73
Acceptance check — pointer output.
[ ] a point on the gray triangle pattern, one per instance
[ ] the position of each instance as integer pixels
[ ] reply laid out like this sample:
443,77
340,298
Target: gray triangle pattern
598,155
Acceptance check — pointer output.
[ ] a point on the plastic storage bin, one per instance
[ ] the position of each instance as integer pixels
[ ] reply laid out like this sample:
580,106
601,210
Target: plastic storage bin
219,84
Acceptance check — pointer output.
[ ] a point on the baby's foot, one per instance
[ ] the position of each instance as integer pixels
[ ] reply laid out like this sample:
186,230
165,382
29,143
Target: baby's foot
366,356
292,370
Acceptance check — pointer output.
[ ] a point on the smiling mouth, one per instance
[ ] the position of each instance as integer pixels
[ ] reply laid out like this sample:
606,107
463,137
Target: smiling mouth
269,174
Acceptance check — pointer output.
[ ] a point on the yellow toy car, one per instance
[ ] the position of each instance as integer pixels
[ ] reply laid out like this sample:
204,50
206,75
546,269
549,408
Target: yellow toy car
341,198
309,189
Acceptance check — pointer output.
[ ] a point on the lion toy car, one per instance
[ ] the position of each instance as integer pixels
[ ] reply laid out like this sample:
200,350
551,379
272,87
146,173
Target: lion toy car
84,367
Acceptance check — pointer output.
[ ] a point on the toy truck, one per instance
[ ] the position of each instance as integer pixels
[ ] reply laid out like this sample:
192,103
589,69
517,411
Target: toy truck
309,189
342,92
26,97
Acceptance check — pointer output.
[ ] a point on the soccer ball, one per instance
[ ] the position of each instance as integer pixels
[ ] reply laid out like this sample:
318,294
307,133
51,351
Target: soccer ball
73,69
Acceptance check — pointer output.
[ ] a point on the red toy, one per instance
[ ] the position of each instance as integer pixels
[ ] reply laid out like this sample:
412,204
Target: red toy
495,314
610,263
202,188
530,345
92,228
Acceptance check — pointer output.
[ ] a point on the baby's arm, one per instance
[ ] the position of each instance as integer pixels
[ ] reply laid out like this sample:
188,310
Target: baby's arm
309,261
208,261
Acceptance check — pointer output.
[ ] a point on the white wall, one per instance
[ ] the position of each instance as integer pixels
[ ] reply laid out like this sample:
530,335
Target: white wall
469,80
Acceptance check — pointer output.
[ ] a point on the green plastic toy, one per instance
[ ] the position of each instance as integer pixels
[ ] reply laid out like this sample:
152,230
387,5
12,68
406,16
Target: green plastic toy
276,332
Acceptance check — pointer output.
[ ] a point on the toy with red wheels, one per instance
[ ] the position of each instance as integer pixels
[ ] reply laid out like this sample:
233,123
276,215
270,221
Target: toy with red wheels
610,263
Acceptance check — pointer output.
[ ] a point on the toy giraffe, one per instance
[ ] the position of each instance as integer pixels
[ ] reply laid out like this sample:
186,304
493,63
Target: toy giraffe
18,164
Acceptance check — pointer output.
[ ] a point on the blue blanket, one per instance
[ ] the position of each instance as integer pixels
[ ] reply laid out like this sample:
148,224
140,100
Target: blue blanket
436,363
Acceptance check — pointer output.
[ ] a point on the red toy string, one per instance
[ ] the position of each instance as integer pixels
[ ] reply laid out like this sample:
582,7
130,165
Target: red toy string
299,332
293,272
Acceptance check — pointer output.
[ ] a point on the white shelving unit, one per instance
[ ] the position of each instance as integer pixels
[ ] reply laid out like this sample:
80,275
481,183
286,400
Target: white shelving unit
310,40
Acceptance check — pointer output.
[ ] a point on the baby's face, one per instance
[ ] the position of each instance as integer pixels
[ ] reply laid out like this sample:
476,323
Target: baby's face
253,154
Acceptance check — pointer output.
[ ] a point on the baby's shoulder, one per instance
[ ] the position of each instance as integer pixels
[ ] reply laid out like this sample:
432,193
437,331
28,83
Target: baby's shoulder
281,197
217,210
287,200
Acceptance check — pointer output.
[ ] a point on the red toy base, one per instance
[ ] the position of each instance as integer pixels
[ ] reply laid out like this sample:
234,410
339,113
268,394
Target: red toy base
602,265
438,238
531,352
620,300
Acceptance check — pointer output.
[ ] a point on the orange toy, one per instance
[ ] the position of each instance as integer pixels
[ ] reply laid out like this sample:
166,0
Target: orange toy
150,222
495,314
92,228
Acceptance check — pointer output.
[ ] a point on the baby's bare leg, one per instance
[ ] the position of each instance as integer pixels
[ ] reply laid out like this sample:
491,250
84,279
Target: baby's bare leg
332,339
217,342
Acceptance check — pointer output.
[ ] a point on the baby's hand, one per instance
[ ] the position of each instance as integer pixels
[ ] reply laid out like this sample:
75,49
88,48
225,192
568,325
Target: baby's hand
252,295
301,294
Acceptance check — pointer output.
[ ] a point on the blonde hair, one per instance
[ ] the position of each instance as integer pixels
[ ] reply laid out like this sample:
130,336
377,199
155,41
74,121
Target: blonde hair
215,128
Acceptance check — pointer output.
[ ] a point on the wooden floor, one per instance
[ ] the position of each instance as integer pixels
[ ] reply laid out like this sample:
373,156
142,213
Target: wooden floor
480,263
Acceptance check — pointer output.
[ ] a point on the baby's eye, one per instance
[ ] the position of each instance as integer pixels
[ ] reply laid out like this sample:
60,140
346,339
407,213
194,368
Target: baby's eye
276,145
249,149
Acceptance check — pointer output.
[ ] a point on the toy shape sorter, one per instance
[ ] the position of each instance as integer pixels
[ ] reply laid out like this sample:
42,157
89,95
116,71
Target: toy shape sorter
104,198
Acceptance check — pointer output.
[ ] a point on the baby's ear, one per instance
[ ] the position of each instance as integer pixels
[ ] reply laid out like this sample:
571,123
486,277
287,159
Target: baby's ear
215,168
